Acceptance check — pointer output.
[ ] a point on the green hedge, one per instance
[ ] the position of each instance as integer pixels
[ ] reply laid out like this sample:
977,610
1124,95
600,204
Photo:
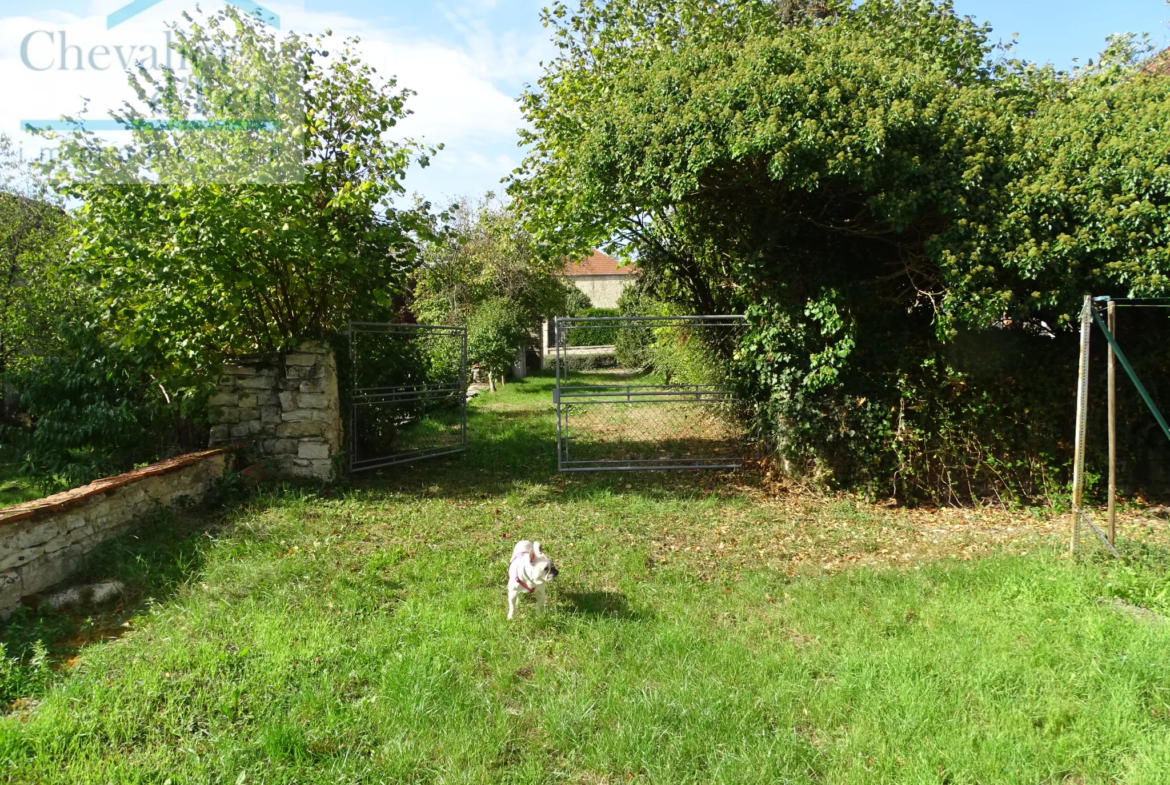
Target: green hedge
582,335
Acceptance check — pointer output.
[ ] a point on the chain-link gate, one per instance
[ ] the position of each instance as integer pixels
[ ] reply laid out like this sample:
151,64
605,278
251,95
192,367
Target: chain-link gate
649,392
408,393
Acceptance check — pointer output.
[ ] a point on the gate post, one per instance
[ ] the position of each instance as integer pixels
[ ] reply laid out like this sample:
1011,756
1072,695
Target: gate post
284,412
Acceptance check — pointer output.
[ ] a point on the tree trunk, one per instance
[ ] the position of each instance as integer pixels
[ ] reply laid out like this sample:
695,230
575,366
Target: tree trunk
491,381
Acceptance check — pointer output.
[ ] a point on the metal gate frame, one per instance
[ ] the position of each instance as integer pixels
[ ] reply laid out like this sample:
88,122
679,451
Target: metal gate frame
404,395
565,394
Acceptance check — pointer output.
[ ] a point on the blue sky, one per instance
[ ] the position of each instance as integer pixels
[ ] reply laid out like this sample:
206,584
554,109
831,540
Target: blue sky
469,59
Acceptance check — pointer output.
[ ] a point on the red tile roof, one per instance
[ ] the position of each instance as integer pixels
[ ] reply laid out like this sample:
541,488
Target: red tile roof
597,263
1158,65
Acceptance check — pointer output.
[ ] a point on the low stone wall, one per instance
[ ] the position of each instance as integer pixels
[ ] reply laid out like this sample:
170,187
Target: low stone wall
42,542
283,412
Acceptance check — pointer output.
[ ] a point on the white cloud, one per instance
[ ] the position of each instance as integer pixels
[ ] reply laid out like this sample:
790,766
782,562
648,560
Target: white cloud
459,100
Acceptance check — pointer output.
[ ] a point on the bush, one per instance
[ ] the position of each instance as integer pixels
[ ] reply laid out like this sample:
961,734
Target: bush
494,332
589,362
607,335
95,411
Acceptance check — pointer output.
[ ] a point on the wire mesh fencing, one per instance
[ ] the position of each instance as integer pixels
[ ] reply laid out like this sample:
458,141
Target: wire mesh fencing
408,393
650,393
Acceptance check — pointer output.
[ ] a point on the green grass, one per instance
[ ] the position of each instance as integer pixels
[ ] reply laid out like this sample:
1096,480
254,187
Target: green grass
359,636
15,489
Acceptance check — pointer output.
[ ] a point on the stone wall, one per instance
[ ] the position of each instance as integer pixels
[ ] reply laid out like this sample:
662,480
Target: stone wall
42,542
283,413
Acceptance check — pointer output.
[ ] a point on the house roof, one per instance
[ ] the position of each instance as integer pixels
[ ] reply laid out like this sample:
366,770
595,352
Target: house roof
597,263
1158,65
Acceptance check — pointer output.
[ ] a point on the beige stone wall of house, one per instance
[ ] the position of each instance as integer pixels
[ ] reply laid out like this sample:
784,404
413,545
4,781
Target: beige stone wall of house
285,413
602,290
43,542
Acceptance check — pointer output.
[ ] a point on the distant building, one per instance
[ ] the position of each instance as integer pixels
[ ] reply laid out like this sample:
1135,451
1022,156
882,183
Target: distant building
600,278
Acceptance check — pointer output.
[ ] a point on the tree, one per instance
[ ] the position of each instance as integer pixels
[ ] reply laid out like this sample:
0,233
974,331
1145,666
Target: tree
890,198
34,297
253,206
494,331
482,255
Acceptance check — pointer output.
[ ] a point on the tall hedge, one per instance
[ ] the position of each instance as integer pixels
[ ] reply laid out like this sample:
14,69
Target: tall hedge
908,216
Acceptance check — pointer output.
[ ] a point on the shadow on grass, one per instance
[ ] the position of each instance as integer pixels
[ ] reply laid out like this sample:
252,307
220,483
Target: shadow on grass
602,604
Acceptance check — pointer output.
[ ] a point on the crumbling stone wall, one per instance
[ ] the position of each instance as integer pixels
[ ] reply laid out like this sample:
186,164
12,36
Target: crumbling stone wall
43,542
283,412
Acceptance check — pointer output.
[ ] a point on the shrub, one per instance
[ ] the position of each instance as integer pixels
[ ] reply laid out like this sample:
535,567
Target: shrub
588,335
95,410
494,332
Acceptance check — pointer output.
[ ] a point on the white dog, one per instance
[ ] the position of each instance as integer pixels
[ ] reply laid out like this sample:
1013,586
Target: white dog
529,572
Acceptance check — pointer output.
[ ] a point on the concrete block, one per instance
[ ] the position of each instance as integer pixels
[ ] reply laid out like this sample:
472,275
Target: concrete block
301,415
292,430
14,559
229,398
257,383
11,588
314,401
313,451
267,398
302,360
270,415
288,401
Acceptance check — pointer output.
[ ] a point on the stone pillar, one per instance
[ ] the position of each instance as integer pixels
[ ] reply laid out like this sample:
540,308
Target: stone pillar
284,412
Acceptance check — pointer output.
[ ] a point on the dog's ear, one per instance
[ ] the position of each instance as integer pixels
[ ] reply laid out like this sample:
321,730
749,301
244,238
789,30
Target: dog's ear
536,549
532,556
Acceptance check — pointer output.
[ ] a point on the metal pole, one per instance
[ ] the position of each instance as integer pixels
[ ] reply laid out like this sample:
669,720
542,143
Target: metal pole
1078,489
557,389
1112,430
463,384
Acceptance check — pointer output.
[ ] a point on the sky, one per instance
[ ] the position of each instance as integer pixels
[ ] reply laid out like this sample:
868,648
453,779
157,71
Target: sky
468,60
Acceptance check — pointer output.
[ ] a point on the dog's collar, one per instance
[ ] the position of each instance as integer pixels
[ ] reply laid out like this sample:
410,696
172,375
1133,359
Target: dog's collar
524,585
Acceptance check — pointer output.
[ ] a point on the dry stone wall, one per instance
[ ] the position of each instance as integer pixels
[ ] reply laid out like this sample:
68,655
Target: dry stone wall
44,541
284,413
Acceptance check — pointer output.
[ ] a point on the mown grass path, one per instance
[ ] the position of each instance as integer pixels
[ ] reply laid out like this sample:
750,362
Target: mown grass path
702,631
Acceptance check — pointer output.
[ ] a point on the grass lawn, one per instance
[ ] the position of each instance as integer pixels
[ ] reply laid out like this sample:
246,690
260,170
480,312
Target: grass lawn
15,489
705,628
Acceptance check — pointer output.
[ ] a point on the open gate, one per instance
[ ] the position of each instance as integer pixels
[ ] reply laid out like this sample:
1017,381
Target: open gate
650,392
408,393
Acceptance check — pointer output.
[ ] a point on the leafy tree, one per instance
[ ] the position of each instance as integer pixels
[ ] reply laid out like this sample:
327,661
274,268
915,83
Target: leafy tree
577,302
494,331
483,255
34,294
890,198
92,410
258,210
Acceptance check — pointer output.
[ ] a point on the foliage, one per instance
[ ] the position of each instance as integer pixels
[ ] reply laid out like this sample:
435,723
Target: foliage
253,206
34,293
95,410
655,663
874,184
496,329
576,301
485,254
602,335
